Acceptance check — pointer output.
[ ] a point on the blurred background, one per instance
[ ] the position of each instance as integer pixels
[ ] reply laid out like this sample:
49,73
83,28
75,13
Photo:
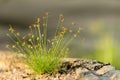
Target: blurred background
100,20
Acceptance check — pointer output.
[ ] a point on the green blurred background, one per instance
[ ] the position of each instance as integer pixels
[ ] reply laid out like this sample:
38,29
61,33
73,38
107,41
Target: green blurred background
100,21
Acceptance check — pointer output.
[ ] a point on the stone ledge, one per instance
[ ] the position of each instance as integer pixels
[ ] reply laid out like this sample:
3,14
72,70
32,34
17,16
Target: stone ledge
70,69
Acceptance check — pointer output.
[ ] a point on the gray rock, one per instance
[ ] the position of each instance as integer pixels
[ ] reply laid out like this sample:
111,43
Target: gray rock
104,78
81,72
91,77
115,76
104,69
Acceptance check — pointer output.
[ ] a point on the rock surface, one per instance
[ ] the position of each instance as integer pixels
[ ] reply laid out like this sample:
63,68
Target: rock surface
11,68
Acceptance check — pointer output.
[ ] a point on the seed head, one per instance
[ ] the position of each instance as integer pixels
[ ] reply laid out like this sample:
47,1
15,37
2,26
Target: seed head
46,13
11,30
75,35
30,40
34,25
30,27
18,34
62,20
23,37
61,15
17,42
7,46
23,44
37,38
44,25
70,31
29,46
38,20
33,36
73,23
44,17
13,46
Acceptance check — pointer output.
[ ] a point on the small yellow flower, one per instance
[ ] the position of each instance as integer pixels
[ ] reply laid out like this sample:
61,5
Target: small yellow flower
64,29
11,30
79,30
29,34
62,20
46,13
29,46
70,31
75,35
61,15
33,36
44,17
35,26
37,38
13,46
23,37
73,23
38,45
18,34
48,41
17,42
38,20
61,34
42,35
7,46
44,25
30,27
30,40
23,44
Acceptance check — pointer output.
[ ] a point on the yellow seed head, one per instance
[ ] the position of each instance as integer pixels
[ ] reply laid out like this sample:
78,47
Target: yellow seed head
17,42
33,36
23,44
29,34
73,23
70,31
30,27
37,38
11,30
30,40
38,20
23,37
46,13
62,20
61,34
29,46
18,34
13,46
7,46
61,15
64,29
42,35
75,35
44,25
78,31
38,45
44,17
34,25
48,41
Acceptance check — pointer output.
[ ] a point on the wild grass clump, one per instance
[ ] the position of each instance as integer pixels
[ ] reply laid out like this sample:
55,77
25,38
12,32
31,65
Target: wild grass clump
41,54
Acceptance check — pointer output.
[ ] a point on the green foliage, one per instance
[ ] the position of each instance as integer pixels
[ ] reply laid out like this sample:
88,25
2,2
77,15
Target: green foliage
41,54
107,51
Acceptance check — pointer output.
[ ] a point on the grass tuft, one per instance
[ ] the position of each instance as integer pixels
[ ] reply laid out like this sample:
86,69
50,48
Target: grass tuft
41,54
